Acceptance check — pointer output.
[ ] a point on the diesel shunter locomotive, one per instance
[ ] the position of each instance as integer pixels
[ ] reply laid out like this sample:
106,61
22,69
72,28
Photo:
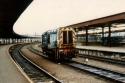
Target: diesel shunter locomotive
59,44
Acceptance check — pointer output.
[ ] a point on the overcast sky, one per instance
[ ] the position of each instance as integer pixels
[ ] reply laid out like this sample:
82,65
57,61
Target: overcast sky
42,15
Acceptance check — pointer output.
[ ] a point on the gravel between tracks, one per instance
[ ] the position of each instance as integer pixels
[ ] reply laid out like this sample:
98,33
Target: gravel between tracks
67,74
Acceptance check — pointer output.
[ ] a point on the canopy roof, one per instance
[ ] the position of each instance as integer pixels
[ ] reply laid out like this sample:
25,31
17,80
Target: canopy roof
10,10
104,21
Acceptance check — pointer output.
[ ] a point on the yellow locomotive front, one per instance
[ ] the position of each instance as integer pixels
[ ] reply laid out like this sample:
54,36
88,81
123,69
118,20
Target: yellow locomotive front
66,43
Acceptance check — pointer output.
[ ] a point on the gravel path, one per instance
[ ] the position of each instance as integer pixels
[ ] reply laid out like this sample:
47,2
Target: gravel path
67,74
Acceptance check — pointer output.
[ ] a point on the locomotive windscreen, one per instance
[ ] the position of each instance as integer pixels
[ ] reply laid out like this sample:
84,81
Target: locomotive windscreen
67,37
70,37
64,37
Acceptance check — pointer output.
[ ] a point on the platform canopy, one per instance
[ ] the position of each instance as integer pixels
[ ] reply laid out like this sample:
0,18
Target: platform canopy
10,10
101,27
101,22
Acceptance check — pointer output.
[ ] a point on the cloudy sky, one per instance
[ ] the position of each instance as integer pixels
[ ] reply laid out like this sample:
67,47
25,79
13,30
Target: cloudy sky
42,15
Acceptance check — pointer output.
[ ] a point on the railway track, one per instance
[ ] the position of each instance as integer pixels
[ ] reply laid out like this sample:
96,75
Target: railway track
36,74
104,59
105,73
112,75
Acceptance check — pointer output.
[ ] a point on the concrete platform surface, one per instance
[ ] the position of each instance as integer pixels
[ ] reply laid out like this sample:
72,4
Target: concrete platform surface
102,48
9,73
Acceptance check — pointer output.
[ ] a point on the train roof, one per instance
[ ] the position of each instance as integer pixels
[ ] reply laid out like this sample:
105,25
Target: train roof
50,31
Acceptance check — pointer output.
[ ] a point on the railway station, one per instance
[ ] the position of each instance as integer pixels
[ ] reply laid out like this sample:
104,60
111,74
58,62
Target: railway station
91,51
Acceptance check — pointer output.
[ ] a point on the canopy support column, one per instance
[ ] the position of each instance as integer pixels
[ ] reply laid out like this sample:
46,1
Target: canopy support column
86,36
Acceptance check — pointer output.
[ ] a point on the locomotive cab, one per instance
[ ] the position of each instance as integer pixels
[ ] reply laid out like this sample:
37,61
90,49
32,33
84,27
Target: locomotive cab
67,43
59,44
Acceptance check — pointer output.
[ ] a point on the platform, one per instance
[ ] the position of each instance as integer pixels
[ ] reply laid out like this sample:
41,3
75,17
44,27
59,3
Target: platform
9,73
102,48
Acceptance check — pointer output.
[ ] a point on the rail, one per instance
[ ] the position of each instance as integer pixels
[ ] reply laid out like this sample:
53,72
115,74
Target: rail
33,71
112,75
